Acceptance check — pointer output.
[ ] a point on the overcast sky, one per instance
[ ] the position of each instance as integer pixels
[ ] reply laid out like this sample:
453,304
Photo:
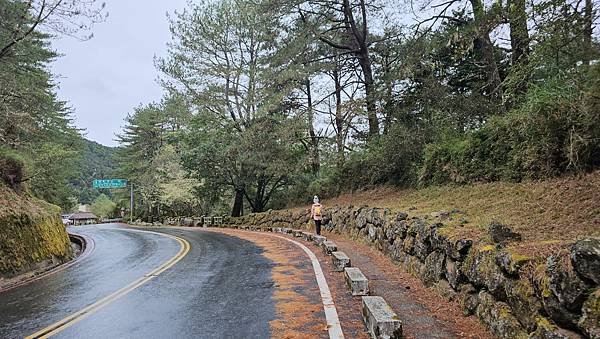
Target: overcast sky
104,78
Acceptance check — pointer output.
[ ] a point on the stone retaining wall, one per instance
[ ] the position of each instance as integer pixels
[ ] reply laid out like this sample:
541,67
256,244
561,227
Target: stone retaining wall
514,296
32,235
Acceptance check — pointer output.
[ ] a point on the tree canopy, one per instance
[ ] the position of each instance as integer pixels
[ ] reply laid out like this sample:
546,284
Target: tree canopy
268,103
36,128
284,100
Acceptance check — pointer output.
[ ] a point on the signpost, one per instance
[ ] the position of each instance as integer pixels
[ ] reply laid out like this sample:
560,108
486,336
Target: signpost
110,183
116,183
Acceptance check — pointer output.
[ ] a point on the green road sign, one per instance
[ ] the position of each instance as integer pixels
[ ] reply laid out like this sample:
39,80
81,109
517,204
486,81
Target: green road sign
110,183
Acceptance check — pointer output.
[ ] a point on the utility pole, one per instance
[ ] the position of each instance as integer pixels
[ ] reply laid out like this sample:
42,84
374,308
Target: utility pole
131,205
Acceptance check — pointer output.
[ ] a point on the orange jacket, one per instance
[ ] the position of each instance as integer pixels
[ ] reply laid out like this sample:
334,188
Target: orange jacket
312,212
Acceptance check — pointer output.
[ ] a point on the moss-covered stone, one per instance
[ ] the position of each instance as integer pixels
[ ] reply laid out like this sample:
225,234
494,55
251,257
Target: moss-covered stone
444,289
510,262
408,245
454,273
546,330
585,256
459,249
498,317
590,319
523,302
433,269
468,299
413,265
564,282
31,232
481,269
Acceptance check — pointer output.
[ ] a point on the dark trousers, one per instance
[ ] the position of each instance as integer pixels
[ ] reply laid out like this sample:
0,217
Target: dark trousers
318,227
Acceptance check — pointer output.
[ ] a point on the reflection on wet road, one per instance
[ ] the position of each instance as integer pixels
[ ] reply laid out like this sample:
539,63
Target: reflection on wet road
201,295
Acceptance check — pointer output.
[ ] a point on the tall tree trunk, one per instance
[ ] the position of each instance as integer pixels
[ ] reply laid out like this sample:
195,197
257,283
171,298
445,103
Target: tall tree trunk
519,34
259,199
588,18
387,102
484,45
365,65
360,47
313,150
238,202
339,119
519,42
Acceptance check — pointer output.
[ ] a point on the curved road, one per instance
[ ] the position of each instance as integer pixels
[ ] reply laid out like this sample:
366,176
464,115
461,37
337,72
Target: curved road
221,288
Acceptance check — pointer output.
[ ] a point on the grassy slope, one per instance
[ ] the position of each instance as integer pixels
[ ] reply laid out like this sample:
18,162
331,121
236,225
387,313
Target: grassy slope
548,214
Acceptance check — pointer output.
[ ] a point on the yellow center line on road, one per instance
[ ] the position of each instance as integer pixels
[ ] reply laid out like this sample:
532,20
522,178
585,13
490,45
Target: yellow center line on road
69,321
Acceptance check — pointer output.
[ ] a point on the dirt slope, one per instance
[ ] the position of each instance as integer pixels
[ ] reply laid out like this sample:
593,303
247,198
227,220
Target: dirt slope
546,213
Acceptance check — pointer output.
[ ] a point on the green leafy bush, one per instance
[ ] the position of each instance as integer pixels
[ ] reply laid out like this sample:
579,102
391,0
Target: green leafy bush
392,159
103,207
555,130
11,168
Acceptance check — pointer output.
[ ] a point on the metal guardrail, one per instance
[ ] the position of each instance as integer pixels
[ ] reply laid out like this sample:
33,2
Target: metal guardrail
111,220
202,221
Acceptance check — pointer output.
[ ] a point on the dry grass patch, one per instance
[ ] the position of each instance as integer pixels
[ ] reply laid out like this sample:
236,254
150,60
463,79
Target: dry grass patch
546,213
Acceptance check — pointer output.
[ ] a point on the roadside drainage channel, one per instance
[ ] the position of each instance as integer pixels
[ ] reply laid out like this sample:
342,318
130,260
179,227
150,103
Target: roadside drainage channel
379,318
78,244
86,247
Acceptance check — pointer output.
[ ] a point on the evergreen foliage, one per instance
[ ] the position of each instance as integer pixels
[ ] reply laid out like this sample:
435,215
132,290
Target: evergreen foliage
286,100
94,161
268,103
103,207
39,144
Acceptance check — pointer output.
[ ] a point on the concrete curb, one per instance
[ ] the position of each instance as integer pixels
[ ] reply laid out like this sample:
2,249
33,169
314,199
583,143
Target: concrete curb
340,261
329,247
379,318
87,247
319,239
356,281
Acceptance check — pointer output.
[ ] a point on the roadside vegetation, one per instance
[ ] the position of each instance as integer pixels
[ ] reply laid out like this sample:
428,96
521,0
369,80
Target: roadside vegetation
40,148
93,161
548,214
39,145
269,103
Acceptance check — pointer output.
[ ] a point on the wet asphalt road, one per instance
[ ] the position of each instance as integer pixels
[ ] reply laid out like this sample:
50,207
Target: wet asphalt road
221,289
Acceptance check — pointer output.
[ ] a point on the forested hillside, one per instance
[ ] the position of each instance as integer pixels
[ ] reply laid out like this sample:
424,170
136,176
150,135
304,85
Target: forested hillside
39,144
271,102
95,161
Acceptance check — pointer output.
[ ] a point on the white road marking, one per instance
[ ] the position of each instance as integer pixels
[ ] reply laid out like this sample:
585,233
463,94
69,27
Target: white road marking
333,322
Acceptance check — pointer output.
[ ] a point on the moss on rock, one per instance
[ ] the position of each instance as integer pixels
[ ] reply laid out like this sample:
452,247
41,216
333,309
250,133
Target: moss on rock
546,330
498,317
31,232
524,304
481,269
590,319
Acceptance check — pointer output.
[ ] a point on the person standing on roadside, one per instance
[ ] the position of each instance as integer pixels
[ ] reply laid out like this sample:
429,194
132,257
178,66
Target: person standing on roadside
316,214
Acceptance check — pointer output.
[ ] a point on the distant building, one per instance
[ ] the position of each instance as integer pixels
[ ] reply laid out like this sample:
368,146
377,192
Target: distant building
83,218
65,219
